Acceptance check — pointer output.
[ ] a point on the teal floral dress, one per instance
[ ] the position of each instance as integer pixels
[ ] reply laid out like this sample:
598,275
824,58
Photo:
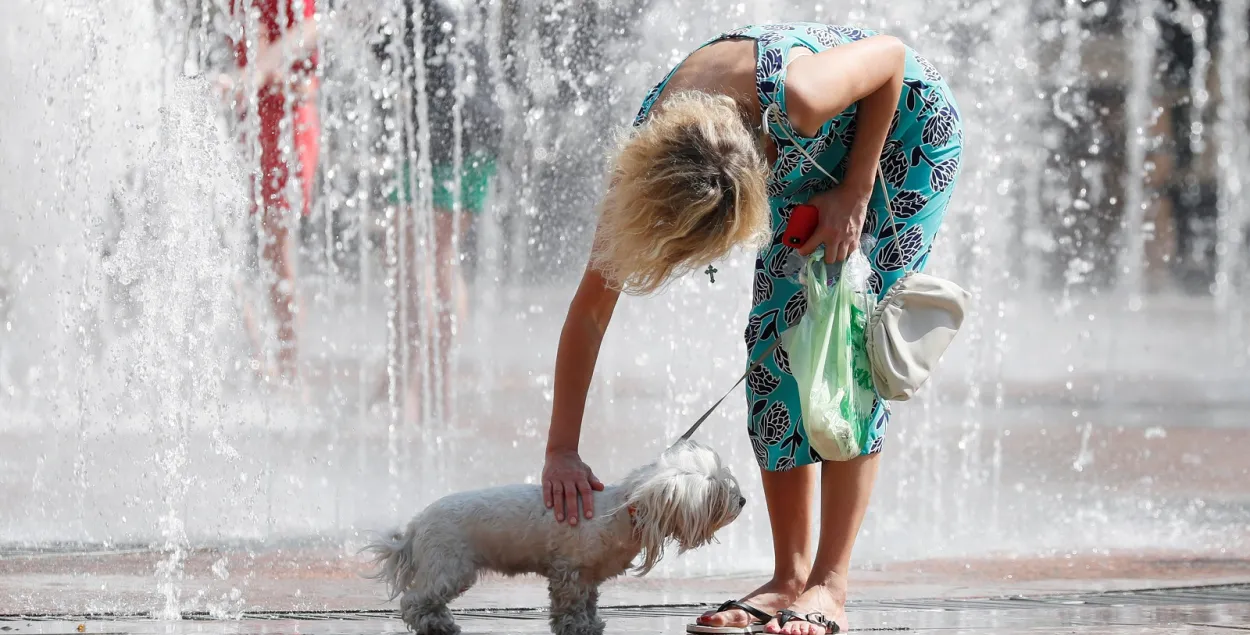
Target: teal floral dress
920,163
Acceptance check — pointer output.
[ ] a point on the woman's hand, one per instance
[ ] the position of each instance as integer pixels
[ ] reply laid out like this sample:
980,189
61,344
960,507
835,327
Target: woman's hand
842,212
565,477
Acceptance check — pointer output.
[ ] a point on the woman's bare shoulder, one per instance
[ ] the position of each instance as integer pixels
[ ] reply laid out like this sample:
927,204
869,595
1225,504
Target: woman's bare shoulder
726,67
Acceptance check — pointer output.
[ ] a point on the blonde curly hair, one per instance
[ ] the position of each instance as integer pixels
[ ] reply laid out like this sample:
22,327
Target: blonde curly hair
686,188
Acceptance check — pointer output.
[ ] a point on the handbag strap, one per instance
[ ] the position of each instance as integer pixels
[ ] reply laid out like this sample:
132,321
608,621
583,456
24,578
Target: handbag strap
885,194
759,360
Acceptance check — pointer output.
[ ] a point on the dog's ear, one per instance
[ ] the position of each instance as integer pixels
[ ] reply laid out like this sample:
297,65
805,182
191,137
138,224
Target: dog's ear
685,496
702,509
651,495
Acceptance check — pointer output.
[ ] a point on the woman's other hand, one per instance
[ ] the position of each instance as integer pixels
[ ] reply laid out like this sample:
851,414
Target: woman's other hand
842,213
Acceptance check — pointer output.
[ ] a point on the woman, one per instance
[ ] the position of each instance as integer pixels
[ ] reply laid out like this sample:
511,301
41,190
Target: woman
692,182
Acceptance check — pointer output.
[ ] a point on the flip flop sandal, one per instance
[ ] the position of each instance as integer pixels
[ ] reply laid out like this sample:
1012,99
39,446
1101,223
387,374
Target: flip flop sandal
786,615
761,618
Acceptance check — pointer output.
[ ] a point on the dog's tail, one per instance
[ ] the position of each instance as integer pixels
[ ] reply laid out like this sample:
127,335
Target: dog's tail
394,555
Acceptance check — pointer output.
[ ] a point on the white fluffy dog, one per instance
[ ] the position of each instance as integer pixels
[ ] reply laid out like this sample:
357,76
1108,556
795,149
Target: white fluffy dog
685,496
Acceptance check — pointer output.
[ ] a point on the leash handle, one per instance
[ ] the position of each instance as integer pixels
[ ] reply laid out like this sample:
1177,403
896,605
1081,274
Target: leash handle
759,360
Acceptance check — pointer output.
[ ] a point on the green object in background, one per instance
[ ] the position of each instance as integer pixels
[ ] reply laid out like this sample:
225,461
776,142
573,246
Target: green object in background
829,360
476,171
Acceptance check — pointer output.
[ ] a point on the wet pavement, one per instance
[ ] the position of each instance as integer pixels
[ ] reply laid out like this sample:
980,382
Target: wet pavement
1194,610
321,591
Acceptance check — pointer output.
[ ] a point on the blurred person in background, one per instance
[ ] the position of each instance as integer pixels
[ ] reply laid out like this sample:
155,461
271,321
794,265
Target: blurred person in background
458,86
275,50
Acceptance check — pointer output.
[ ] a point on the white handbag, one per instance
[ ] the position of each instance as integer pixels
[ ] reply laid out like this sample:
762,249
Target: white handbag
913,325
910,329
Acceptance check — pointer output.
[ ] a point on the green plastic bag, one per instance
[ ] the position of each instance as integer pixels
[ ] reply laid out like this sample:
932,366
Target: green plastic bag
829,358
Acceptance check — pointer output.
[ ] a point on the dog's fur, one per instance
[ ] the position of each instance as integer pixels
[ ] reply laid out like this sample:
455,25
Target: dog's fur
685,496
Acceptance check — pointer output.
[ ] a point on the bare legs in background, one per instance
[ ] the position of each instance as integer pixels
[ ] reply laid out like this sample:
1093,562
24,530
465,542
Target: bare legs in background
435,305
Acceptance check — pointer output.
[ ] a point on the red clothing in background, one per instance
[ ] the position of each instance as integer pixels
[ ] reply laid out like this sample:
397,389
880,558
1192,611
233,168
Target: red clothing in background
275,18
273,21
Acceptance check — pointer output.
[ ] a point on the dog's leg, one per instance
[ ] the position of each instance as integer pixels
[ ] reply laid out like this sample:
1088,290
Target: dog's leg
424,606
573,604
592,610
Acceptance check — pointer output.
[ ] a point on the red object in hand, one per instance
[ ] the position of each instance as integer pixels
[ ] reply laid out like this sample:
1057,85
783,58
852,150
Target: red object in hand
801,226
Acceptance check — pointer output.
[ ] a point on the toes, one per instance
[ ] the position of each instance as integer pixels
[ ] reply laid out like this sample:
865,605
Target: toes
795,628
772,627
724,618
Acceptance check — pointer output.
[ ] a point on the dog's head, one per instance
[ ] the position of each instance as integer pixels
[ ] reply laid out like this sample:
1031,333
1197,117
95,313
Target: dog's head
685,496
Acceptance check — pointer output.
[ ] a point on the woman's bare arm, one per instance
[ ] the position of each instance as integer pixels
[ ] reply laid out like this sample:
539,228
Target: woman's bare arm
821,86
565,476
587,321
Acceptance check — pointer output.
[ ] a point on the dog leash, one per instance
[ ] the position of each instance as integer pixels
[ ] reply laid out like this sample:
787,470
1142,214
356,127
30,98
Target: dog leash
760,360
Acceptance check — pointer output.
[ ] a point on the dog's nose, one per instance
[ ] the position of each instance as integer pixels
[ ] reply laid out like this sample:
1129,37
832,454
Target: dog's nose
742,501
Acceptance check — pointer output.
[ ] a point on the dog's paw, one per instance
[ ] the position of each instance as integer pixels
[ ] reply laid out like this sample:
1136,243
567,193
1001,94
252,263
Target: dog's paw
580,627
435,625
441,629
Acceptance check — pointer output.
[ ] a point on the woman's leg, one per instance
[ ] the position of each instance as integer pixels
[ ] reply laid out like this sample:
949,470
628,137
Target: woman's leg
919,197
787,463
845,489
789,496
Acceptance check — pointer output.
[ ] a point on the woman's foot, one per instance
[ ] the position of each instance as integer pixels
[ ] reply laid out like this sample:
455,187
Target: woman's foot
828,599
773,596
